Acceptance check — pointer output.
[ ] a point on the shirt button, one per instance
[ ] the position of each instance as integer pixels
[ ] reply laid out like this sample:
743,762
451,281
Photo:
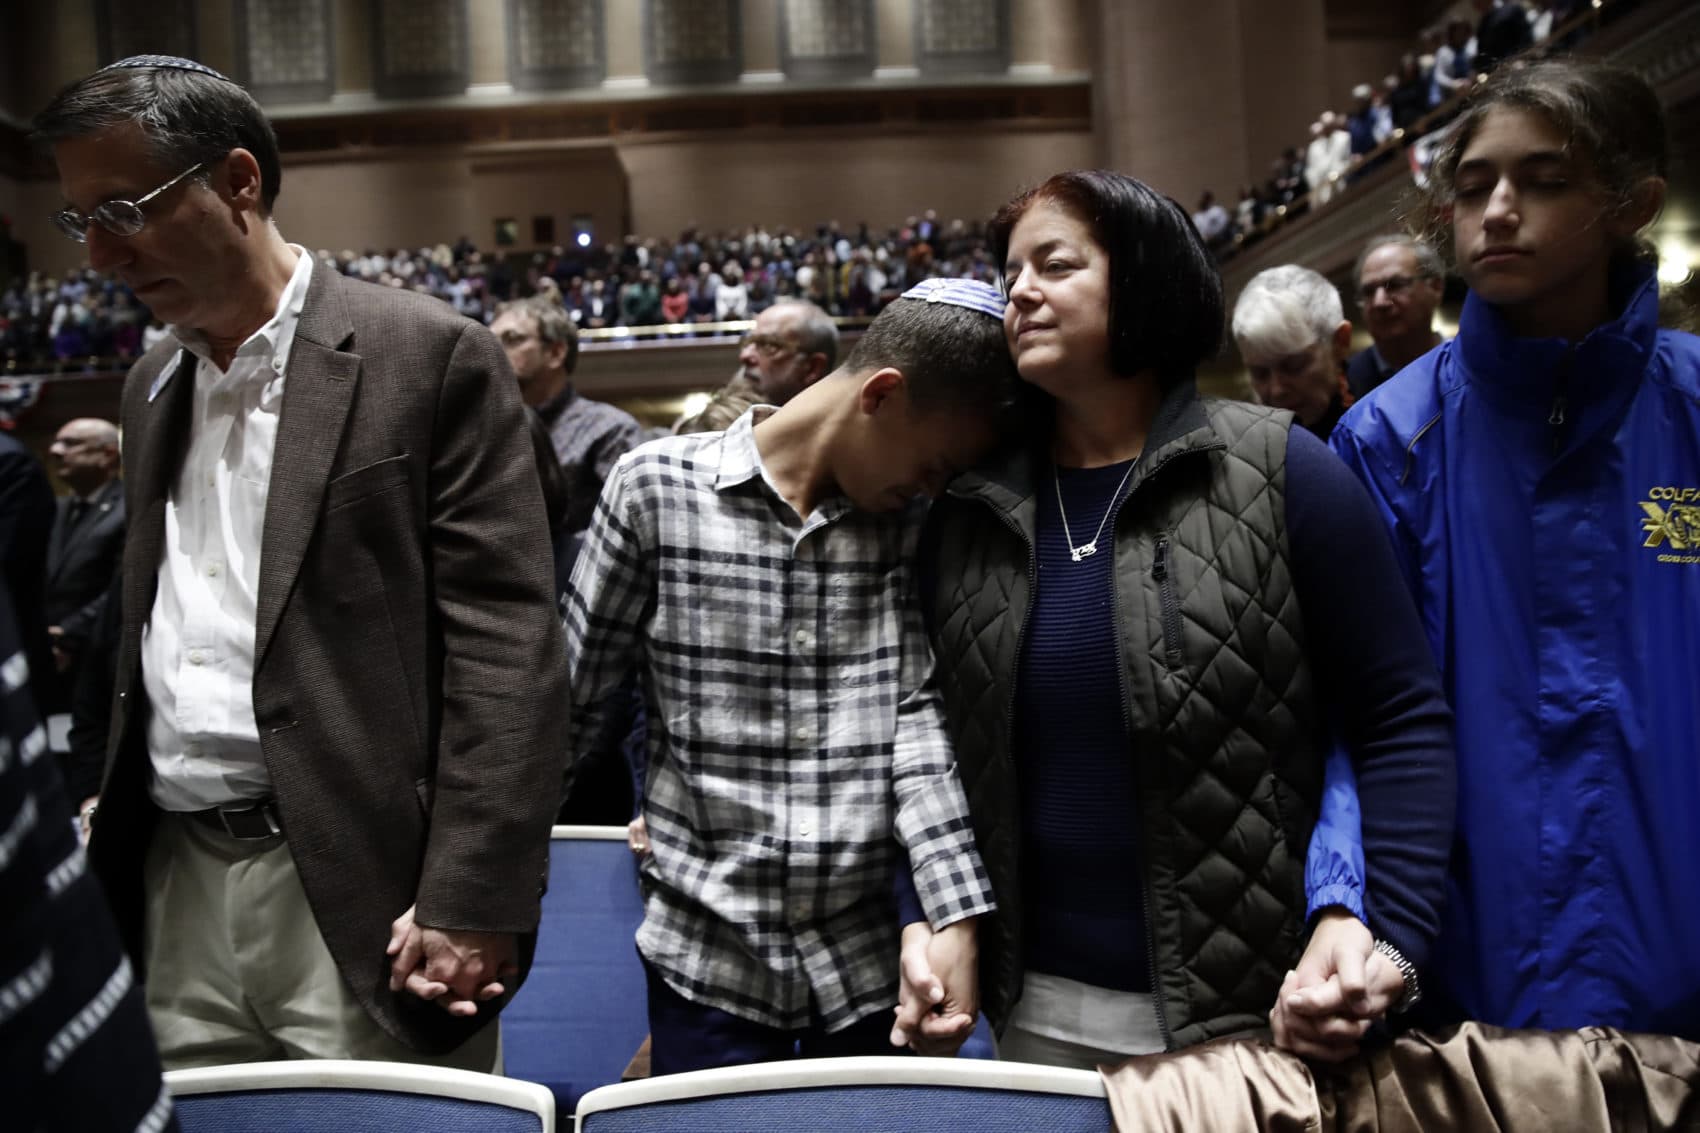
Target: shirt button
212,570
801,637
803,734
195,657
805,828
212,481
800,913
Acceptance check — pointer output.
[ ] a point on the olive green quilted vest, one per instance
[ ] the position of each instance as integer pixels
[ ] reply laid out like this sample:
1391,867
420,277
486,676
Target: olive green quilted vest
1219,703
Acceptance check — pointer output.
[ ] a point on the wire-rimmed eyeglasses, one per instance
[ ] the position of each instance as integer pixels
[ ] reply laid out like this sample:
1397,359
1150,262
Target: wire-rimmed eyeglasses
121,218
766,345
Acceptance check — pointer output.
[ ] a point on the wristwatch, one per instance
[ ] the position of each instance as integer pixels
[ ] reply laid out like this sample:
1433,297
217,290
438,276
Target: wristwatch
1408,970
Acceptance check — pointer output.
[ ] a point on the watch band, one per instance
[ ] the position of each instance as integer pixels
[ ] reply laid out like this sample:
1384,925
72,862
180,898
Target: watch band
1407,970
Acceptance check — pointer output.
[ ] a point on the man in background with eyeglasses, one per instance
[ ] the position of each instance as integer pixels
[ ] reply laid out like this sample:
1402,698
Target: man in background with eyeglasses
1399,283
335,747
589,436
792,345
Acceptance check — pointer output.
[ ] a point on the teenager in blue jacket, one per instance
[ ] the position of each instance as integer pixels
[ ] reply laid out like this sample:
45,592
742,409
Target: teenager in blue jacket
1541,477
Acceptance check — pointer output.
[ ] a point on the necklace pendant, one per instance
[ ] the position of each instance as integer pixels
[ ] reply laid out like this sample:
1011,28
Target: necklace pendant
1084,552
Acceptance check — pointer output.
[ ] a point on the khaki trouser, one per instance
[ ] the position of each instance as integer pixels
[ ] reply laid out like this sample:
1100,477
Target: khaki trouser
237,970
1470,1077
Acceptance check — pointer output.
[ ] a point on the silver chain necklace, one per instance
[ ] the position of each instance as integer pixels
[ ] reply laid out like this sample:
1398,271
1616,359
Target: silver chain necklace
1087,550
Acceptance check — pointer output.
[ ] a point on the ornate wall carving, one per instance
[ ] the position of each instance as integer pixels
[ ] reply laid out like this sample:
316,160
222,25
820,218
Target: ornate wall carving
285,51
692,41
163,28
555,44
962,36
419,48
826,39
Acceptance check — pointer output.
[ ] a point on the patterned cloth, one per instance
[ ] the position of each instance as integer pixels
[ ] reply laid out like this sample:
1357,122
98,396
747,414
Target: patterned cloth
793,728
76,1051
589,436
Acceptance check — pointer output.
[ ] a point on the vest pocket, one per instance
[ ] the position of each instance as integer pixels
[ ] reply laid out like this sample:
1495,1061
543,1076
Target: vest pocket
1160,570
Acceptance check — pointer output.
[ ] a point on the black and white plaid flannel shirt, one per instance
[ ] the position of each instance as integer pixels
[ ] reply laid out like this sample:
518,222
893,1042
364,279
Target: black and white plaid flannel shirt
793,728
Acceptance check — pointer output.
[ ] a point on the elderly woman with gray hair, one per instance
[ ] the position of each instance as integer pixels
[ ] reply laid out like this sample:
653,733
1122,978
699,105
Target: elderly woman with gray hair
1293,335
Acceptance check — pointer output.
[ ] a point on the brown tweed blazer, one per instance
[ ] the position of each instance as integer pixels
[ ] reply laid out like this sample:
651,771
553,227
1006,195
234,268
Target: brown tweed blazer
409,671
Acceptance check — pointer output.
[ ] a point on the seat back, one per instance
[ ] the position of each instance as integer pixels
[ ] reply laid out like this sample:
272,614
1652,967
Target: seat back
885,1093
582,1013
357,1097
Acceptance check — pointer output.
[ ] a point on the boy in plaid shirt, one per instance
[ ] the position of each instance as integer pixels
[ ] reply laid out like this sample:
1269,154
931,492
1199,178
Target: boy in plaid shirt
761,581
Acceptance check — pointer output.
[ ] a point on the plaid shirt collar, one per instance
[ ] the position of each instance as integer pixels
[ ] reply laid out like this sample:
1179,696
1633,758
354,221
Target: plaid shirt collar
740,464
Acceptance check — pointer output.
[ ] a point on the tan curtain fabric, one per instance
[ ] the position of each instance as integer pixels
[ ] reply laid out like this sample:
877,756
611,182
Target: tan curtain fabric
1474,1077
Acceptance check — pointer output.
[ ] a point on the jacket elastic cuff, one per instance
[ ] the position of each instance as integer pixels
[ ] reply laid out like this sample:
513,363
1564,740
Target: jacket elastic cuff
1346,897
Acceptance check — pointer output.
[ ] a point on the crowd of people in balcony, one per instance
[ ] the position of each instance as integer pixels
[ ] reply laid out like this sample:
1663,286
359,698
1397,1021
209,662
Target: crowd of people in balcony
1447,60
727,276
696,278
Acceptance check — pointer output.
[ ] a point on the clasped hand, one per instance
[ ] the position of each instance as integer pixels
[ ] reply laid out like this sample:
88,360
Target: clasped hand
1340,987
456,969
938,993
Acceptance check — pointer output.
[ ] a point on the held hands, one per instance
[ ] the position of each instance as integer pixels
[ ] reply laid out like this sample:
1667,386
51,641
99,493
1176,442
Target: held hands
1339,988
458,969
938,994
637,837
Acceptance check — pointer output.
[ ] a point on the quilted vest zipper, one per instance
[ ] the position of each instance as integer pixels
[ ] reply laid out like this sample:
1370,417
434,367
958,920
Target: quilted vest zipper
1144,875
1008,750
1020,631
1171,609
1143,872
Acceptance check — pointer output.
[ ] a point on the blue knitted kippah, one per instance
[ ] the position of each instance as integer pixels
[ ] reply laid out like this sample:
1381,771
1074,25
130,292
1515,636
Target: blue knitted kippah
174,62
970,293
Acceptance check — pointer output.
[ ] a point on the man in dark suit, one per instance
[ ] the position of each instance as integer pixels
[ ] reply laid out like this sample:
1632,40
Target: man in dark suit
87,540
337,745
26,521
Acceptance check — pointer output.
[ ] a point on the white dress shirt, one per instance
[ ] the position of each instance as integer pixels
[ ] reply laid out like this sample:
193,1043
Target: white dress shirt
198,643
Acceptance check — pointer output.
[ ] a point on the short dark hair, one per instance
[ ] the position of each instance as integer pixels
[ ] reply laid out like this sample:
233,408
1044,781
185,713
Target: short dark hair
554,325
1166,304
1429,263
189,117
951,357
1611,119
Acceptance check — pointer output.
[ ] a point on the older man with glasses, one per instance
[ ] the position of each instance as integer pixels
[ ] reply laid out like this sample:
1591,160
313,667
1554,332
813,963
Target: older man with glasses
792,345
1399,283
335,747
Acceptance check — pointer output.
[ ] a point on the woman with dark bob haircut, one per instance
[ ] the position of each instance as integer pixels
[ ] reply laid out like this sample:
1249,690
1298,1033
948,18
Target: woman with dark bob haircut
1155,615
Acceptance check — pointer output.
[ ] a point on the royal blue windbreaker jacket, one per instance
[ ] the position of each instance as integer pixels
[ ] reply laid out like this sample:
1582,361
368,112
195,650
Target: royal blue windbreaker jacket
1545,501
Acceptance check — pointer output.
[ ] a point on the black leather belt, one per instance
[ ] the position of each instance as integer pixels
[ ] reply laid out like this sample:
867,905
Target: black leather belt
248,822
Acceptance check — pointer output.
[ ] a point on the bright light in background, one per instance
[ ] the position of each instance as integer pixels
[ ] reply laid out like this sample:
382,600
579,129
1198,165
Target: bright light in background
694,403
584,239
1676,261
